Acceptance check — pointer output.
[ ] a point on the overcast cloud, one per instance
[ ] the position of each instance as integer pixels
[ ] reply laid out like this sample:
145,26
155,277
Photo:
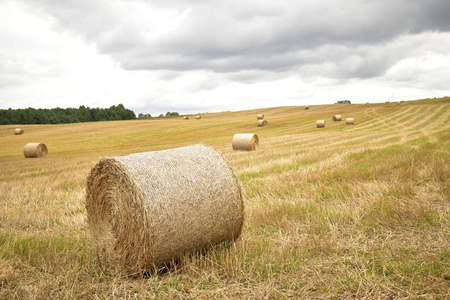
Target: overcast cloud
206,55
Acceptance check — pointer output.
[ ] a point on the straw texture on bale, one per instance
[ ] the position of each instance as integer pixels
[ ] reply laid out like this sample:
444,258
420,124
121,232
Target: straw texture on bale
245,142
185,118
306,107
337,118
350,121
147,210
320,123
18,131
32,150
260,116
262,123
198,117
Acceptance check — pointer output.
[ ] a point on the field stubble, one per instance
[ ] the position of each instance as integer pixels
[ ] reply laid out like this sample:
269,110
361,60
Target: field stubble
342,211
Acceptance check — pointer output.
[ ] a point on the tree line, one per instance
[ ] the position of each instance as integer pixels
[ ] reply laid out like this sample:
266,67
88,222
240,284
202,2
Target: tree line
64,115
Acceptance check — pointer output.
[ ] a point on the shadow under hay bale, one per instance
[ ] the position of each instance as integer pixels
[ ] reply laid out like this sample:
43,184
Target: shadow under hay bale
245,142
350,121
337,118
18,131
262,123
260,116
320,123
33,150
147,210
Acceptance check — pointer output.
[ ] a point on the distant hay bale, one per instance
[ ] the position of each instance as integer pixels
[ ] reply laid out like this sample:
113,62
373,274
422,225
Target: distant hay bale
337,118
260,116
147,210
306,107
320,123
185,118
198,117
32,150
245,142
18,131
350,121
262,122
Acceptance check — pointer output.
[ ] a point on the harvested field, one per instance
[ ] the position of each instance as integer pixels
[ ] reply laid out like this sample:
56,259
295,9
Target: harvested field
345,211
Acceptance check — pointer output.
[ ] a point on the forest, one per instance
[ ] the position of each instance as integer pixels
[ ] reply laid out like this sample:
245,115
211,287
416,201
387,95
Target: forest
64,115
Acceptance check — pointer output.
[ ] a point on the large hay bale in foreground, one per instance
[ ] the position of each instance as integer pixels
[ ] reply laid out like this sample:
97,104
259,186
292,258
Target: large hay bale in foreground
32,150
147,210
262,123
320,123
337,118
260,116
198,117
245,141
350,121
18,131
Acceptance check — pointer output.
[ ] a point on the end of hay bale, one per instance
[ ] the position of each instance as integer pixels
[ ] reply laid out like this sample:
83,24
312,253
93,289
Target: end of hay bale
245,142
320,123
262,123
337,118
33,150
147,210
260,116
18,131
350,121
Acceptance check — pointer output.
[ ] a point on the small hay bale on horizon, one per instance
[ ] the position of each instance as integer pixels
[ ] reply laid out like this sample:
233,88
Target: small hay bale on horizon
262,123
337,118
185,118
33,150
306,107
350,121
260,116
18,131
198,117
320,123
148,210
245,142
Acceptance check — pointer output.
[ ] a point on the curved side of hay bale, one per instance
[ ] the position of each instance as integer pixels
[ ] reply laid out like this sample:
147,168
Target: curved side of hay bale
337,118
306,107
185,118
147,210
320,123
245,141
32,150
260,116
350,121
198,117
18,131
262,123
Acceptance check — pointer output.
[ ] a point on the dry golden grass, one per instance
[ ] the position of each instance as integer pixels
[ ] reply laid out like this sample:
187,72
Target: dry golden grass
346,211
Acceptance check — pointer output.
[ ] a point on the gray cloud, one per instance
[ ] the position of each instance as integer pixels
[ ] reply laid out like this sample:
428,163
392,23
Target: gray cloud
338,39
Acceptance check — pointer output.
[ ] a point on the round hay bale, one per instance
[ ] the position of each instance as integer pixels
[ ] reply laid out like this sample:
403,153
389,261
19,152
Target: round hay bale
185,118
198,117
306,107
262,123
245,141
260,116
337,118
350,121
320,123
147,210
18,131
32,150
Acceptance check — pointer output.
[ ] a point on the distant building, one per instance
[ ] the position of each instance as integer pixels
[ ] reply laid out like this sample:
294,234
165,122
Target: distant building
343,102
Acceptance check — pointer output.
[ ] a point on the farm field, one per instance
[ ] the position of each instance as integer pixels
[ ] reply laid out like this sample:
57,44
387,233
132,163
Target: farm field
337,212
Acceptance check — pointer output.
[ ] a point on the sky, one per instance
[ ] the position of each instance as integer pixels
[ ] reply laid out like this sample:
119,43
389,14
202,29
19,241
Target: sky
193,56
